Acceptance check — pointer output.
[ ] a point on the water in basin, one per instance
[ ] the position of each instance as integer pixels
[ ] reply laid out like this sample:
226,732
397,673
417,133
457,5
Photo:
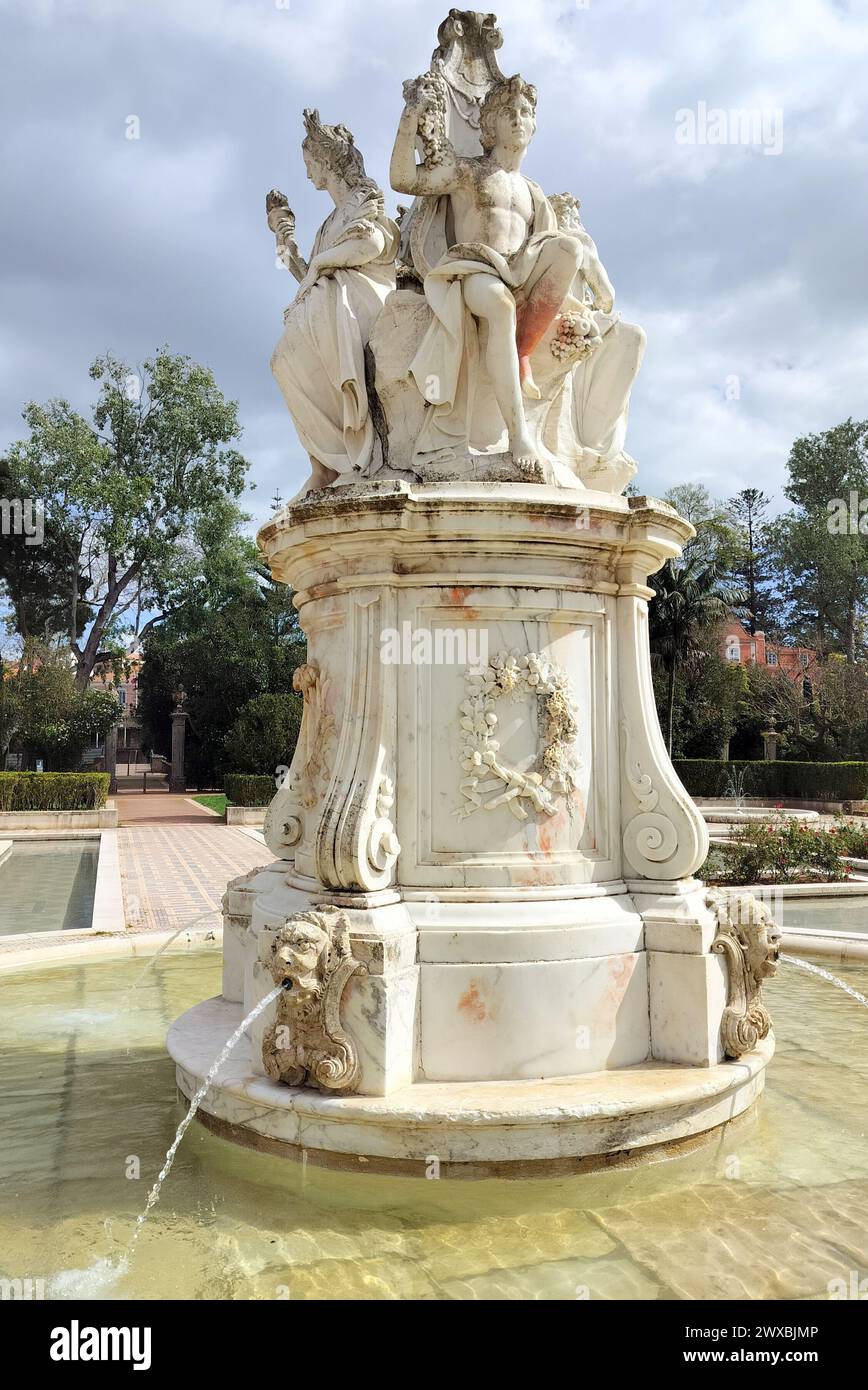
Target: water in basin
830,914
775,1208
48,885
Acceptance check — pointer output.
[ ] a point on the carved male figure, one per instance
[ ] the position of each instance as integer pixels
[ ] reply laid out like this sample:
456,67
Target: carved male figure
508,263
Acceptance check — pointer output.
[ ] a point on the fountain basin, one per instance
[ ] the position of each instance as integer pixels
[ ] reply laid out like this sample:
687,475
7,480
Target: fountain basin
48,885
503,1128
728,813
54,886
776,1209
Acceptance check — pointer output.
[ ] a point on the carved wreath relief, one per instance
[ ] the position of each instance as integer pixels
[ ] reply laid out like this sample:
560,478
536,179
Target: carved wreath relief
306,1046
490,781
748,938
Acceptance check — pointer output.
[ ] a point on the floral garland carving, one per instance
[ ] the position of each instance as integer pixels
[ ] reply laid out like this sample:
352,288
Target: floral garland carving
316,736
512,676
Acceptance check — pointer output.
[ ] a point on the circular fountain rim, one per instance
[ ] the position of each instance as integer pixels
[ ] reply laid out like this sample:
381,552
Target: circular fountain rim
719,812
34,954
489,1128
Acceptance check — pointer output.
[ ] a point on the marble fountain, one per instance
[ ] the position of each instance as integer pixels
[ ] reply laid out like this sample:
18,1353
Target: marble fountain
482,931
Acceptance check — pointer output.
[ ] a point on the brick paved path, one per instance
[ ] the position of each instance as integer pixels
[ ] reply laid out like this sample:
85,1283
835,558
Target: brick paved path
173,872
137,808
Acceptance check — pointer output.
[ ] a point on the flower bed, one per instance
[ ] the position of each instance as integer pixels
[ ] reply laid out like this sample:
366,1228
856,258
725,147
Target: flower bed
784,851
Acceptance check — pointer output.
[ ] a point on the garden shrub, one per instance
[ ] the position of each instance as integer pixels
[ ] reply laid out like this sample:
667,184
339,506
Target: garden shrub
852,839
248,789
53,791
779,851
800,781
264,734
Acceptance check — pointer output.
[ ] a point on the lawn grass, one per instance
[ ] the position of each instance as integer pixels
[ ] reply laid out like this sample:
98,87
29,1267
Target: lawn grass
214,803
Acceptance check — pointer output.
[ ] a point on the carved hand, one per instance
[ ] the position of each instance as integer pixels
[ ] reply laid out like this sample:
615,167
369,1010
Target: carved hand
278,211
318,267
315,271
420,93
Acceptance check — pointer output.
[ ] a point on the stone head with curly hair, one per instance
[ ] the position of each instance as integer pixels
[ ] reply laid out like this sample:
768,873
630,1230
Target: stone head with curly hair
514,96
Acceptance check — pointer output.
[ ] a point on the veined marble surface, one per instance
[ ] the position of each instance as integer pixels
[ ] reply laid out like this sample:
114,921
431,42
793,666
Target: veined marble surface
494,1121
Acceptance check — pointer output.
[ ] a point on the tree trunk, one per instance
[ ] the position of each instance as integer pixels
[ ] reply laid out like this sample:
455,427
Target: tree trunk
87,656
851,627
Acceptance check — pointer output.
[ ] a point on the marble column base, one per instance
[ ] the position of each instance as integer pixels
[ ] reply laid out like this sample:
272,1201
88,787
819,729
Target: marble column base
489,1126
518,989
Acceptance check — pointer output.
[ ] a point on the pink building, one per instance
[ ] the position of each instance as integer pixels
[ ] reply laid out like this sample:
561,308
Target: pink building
126,692
737,644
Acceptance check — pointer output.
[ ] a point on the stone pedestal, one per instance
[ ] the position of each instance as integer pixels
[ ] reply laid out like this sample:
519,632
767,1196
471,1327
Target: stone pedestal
770,744
111,758
177,776
482,795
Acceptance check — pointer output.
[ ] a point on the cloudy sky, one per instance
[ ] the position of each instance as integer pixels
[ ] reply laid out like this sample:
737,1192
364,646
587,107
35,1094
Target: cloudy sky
747,267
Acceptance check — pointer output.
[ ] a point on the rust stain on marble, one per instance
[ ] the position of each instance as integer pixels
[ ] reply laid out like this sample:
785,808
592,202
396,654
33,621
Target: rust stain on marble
457,596
621,969
620,973
472,1005
551,832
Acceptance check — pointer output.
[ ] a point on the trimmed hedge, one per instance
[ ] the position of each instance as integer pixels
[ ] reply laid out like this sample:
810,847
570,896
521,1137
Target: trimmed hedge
53,791
247,789
799,781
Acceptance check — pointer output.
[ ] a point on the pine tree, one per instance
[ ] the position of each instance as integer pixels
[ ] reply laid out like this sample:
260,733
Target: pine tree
752,566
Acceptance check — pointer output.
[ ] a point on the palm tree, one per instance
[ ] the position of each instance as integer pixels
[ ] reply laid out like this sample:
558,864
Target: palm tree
691,598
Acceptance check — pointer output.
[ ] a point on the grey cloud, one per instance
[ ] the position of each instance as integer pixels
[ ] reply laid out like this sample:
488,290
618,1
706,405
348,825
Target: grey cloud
735,262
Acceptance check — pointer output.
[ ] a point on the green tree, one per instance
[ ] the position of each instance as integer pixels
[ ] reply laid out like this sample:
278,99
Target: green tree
222,656
769,698
831,720
751,565
263,736
822,557
8,711
717,539
36,576
708,692
691,600
55,721
139,500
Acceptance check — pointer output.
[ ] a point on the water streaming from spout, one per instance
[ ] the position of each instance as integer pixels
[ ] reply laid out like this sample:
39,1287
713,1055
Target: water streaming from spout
213,912
154,1194
826,975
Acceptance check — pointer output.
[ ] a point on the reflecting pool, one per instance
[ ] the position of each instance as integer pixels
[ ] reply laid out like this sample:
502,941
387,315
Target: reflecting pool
48,885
